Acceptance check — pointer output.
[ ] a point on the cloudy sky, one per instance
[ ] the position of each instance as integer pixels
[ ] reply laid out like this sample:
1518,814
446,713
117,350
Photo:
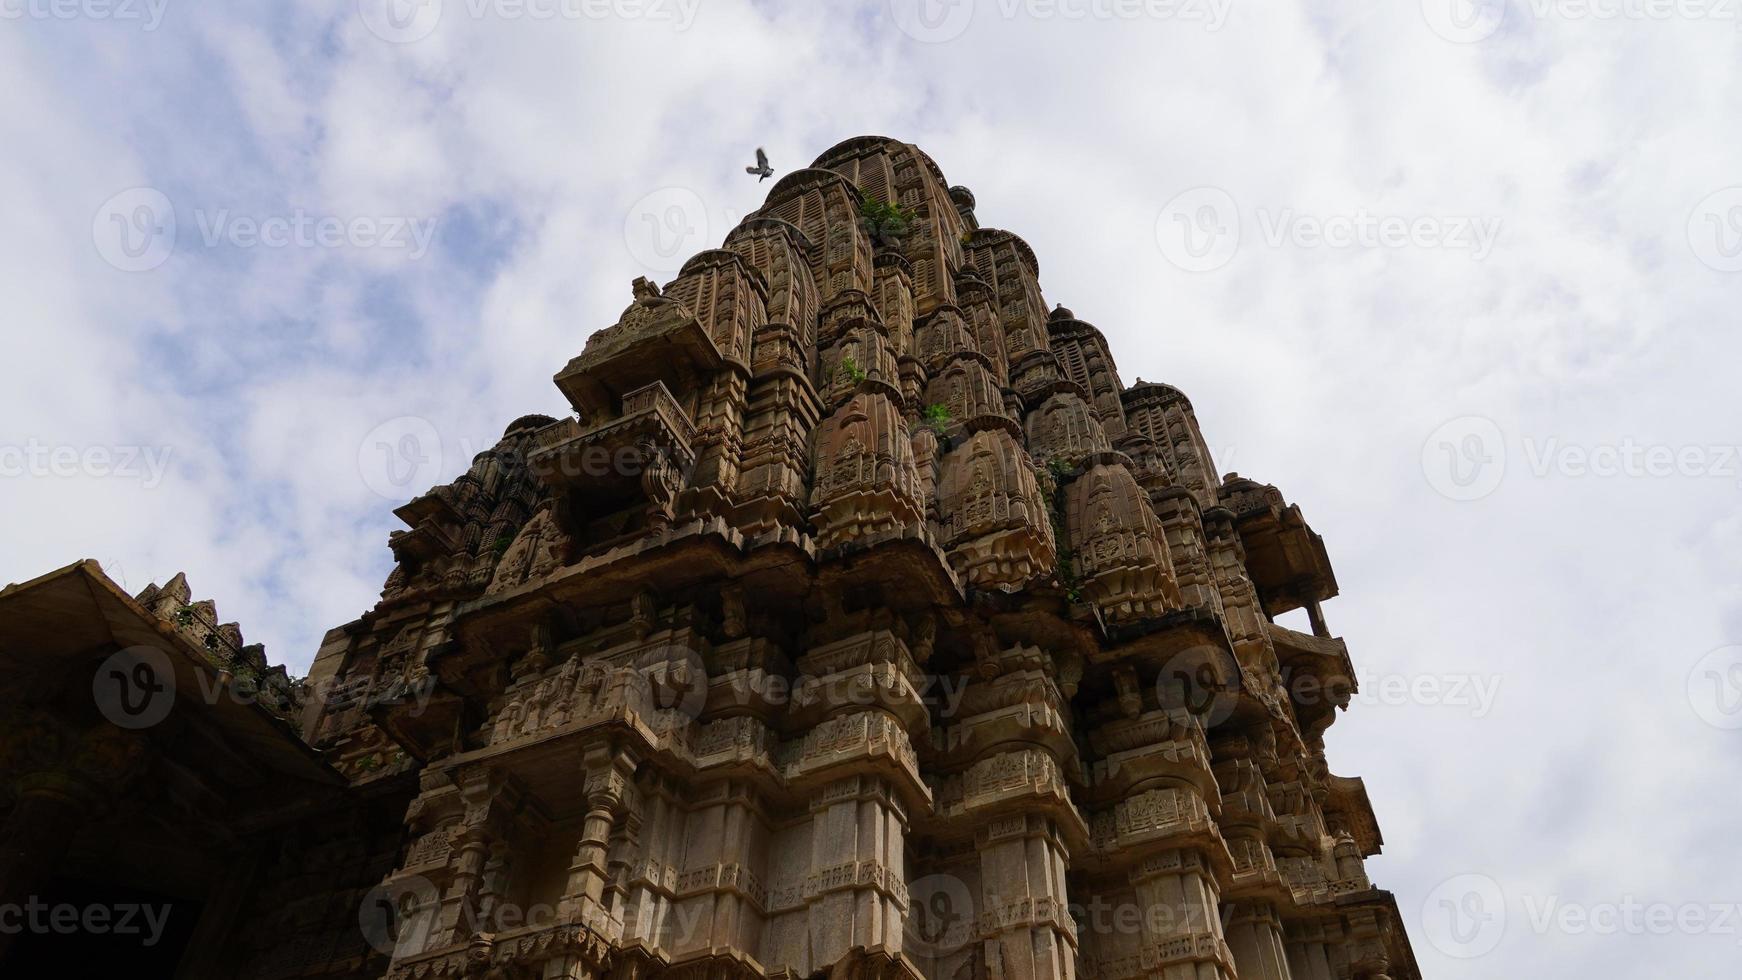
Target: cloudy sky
1460,278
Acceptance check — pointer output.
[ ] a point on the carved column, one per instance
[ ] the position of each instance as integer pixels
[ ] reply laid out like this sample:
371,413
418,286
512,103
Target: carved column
583,897
1309,952
1255,936
1024,913
491,801
1182,925
855,891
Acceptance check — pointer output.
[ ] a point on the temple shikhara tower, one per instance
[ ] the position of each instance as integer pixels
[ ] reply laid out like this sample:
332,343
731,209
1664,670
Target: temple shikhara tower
860,622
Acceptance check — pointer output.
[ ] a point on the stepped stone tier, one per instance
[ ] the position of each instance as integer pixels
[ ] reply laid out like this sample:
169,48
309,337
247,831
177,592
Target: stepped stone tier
860,622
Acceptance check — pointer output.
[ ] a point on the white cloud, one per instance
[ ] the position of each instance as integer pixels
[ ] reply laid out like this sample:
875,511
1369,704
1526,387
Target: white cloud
1321,369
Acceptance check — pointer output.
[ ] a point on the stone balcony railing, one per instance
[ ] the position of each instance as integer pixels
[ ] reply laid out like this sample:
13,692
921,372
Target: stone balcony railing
569,454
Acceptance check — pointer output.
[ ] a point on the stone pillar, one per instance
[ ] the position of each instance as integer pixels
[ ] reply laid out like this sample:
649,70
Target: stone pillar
1024,913
584,894
491,802
1178,512
1182,925
858,832
1254,933
1309,952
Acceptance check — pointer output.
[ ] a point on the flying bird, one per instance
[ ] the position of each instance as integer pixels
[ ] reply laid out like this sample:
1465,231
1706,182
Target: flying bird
761,167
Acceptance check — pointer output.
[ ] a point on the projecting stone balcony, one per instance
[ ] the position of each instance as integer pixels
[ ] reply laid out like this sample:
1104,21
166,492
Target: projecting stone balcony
1285,557
651,427
655,340
433,521
1316,672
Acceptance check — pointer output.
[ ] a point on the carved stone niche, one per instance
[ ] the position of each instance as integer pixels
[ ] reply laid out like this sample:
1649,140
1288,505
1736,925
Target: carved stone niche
1064,427
865,478
728,296
621,476
540,548
860,355
969,393
994,517
943,335
893,297
1121,556
980,308
778,250
656,339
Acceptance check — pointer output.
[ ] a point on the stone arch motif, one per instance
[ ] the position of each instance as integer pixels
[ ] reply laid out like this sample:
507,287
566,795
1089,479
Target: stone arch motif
941,336
1008,265
778,251
865,480
994,517
1120,554
824,206
892,171
967,391
860,353
1084,358
980,307
1065,428
728,295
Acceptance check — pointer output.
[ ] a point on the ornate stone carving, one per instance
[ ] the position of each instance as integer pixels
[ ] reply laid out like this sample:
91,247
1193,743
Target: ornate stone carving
650,678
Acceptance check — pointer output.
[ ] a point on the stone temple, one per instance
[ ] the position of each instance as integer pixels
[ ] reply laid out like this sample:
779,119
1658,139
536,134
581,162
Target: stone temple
859,623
